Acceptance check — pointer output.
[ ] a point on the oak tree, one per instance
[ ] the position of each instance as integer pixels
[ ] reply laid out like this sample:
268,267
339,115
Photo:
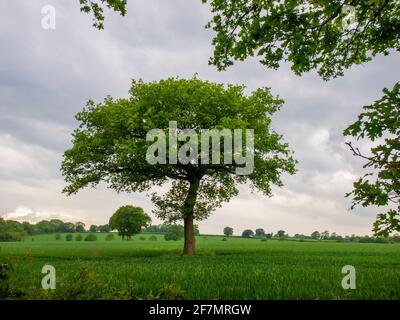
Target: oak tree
228,231
111,145
329,36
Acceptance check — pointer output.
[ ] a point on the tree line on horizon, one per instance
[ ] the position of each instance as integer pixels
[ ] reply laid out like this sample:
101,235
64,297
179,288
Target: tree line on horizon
11,230
316,235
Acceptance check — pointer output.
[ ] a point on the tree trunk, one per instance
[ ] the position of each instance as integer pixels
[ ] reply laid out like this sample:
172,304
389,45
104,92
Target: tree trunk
190,241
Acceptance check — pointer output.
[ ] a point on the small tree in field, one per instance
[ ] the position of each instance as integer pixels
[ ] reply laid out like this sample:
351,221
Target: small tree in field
325,235
260,232
93,228
112,144
247,233
129,220
228,231
281,234
174,232
316,235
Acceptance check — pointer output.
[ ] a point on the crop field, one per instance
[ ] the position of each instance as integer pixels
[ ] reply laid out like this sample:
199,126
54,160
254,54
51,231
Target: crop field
237,268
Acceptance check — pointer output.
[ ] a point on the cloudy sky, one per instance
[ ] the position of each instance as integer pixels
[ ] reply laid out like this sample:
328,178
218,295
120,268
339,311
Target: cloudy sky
46,77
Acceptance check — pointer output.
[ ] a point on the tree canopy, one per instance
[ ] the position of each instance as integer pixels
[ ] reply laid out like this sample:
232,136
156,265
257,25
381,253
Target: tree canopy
381,186
329,36
96,8
129,220
111,145
228,231
248,233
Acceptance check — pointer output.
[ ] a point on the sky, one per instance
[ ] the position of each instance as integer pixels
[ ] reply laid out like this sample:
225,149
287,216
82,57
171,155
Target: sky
47,76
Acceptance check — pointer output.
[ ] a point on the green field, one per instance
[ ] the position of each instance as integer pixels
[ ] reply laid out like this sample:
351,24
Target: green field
234,269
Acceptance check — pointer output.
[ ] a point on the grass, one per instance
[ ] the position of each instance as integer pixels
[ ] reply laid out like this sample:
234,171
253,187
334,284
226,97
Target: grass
234,269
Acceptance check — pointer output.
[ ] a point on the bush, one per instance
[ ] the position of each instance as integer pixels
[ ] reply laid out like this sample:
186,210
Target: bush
174,233
153,238
172,236
142,238
223,239
110,237
90,237
68,237
58,236
264,240
79,237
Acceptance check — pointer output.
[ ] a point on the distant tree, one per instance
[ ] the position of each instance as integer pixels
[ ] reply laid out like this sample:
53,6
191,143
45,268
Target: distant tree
78,237
325,235
68,237
196,230
11,230
260,232
247,233
269,235
174,232
396,238
228,231
316,235
104,228
67,227
28,228
93,228
339,238
80,227
153,228
43,227
281,234
129,220
333,236
55,225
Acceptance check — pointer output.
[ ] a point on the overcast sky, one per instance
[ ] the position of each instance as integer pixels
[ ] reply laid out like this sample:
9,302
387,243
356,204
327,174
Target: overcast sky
46,77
